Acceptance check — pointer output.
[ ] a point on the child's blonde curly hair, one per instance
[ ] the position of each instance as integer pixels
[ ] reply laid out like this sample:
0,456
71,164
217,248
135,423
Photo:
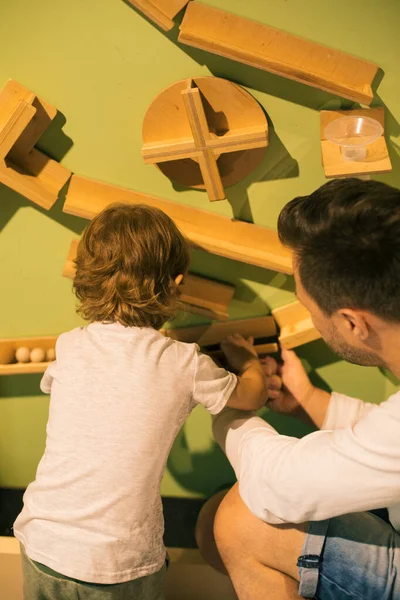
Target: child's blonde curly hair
126,265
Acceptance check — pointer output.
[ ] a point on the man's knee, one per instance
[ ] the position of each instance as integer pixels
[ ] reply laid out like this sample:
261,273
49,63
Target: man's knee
230,526
242,538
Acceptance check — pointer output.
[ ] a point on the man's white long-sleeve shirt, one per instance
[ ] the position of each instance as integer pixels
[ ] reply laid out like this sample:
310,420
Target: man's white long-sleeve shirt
352,464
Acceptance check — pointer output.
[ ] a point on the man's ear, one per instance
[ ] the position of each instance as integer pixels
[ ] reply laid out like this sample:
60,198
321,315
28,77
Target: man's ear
354,321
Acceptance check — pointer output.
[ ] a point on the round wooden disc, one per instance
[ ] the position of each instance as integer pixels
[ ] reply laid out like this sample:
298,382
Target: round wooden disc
227,106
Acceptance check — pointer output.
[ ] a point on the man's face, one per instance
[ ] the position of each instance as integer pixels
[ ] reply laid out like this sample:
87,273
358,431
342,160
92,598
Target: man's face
338,331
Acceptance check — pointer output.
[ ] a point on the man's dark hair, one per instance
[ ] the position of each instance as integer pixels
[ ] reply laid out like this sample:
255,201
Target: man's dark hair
346,239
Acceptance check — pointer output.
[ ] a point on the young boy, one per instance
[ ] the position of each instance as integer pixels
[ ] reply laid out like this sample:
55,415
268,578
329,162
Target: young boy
92,523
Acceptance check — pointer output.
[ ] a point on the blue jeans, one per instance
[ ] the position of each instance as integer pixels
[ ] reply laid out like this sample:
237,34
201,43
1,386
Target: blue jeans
351,557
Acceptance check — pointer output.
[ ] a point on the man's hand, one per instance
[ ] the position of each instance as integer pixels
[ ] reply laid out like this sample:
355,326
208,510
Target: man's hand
291,392
239,352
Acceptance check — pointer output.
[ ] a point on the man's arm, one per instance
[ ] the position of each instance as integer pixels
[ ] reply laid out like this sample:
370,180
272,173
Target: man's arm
291,392
324,474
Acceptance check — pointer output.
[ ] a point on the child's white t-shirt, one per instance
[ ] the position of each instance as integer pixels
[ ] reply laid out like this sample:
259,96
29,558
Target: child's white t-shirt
119,396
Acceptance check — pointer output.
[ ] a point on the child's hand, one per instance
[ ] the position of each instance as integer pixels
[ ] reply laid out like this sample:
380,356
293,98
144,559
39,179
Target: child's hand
239,352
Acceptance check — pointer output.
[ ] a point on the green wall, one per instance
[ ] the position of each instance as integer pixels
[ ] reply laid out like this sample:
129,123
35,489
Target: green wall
101,63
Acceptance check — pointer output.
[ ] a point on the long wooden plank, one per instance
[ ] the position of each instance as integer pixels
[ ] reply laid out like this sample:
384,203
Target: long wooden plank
276,51
161,12
210,335
296,326
213,233
201,296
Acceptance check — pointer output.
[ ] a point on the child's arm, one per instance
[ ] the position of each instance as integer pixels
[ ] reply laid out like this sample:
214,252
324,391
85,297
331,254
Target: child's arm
251,391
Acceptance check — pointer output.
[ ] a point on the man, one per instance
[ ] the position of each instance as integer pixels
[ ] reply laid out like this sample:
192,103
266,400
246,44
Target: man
296,524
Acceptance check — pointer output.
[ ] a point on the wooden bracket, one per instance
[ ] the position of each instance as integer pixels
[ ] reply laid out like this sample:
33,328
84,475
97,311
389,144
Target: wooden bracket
161,12
276,51
295,324
200,295
23,119
207,231
377,159
197,121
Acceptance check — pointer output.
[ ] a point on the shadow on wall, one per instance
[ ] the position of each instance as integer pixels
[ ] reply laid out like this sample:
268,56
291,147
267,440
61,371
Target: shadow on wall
54,142
11,202
277,163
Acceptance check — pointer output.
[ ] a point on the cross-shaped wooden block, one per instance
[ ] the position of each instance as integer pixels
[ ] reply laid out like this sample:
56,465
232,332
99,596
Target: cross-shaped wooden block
204,145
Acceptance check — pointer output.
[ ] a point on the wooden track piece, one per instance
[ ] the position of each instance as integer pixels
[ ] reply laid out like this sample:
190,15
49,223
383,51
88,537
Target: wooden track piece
201,134
207,297
201,296
161,12
13,125
296,326
8,366
213,233
210,335
23,168
261,349
377,159
276,51
205,132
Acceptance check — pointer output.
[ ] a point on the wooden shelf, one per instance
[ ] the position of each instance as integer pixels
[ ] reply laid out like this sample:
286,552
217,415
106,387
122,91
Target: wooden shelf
23,119
7,354
276,51
213,233
211,335
23,368
377,159
161,12
296,326
201,296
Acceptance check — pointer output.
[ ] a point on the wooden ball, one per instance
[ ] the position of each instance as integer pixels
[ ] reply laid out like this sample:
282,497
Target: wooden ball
38,355
22,354
51,354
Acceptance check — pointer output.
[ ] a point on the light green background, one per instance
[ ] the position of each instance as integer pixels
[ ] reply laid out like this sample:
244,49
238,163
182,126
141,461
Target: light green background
101,64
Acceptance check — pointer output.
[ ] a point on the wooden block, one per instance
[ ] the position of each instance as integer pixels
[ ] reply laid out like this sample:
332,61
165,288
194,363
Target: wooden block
37,177
210,335
201,134
14,126
213,233
69,265
276,51
201,296
8,365
23,168
207,297
247,138
261,349
296,326
10,96
377,159
161,12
